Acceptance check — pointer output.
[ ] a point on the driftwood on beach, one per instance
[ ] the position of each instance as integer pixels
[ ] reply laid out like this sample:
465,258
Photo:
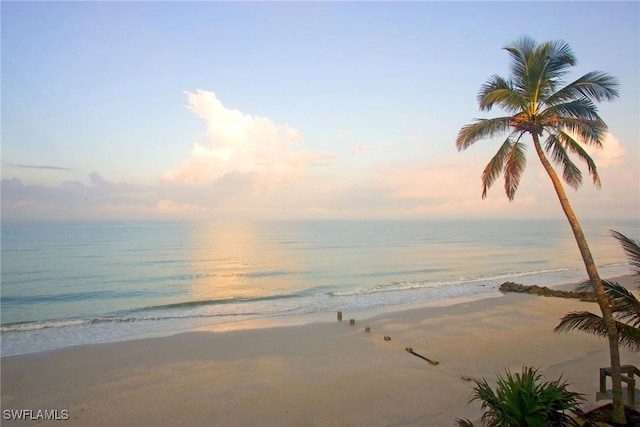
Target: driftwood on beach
546,292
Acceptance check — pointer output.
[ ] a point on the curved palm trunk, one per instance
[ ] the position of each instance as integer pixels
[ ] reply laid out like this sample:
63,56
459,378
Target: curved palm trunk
618,416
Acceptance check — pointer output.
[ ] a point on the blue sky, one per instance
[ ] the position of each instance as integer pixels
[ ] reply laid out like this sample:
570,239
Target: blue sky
165,110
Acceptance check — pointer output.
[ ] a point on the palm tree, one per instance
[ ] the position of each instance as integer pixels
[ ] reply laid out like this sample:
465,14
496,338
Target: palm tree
625,305
537,103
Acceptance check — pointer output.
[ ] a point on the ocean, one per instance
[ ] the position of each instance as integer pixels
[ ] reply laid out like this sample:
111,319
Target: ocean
65,284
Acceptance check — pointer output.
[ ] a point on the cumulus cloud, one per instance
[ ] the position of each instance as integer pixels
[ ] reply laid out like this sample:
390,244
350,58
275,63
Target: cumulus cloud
241,143
611,153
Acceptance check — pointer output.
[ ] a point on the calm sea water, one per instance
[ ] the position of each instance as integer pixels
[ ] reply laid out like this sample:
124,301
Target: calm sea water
69,284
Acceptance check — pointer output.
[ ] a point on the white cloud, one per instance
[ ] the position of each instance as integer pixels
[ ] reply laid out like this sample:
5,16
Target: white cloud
611,153
238,142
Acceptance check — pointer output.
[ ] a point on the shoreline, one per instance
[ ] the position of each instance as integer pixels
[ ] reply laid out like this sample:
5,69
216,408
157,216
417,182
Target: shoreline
36,336
283,320
364,313
323,373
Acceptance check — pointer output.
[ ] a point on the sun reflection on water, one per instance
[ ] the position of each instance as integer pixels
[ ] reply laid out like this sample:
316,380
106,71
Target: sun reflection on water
236,260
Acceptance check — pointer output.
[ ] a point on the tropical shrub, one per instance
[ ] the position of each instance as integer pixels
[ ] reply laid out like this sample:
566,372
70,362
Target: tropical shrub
525,400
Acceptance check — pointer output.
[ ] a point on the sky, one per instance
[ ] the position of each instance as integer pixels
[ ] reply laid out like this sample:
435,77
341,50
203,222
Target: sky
290,110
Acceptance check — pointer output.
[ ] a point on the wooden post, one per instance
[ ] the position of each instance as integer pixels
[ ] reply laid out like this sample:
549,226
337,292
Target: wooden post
603,380
339,316
352,322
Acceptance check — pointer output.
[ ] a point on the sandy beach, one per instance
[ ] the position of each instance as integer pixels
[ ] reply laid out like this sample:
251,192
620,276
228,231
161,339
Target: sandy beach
328,373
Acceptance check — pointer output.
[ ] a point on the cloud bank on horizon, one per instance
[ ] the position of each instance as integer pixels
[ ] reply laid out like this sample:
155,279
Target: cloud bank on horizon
251,167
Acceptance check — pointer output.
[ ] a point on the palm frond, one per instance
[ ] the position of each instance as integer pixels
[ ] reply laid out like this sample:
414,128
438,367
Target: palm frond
538,85
546,66
629,318
621,299
570,172
568,142
582,108
589,132
584,321
631,247
621,296
481,129
560,59
595,86
623,303
629,336
500,91
515,163
545,71
494,168
585,286
519,52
